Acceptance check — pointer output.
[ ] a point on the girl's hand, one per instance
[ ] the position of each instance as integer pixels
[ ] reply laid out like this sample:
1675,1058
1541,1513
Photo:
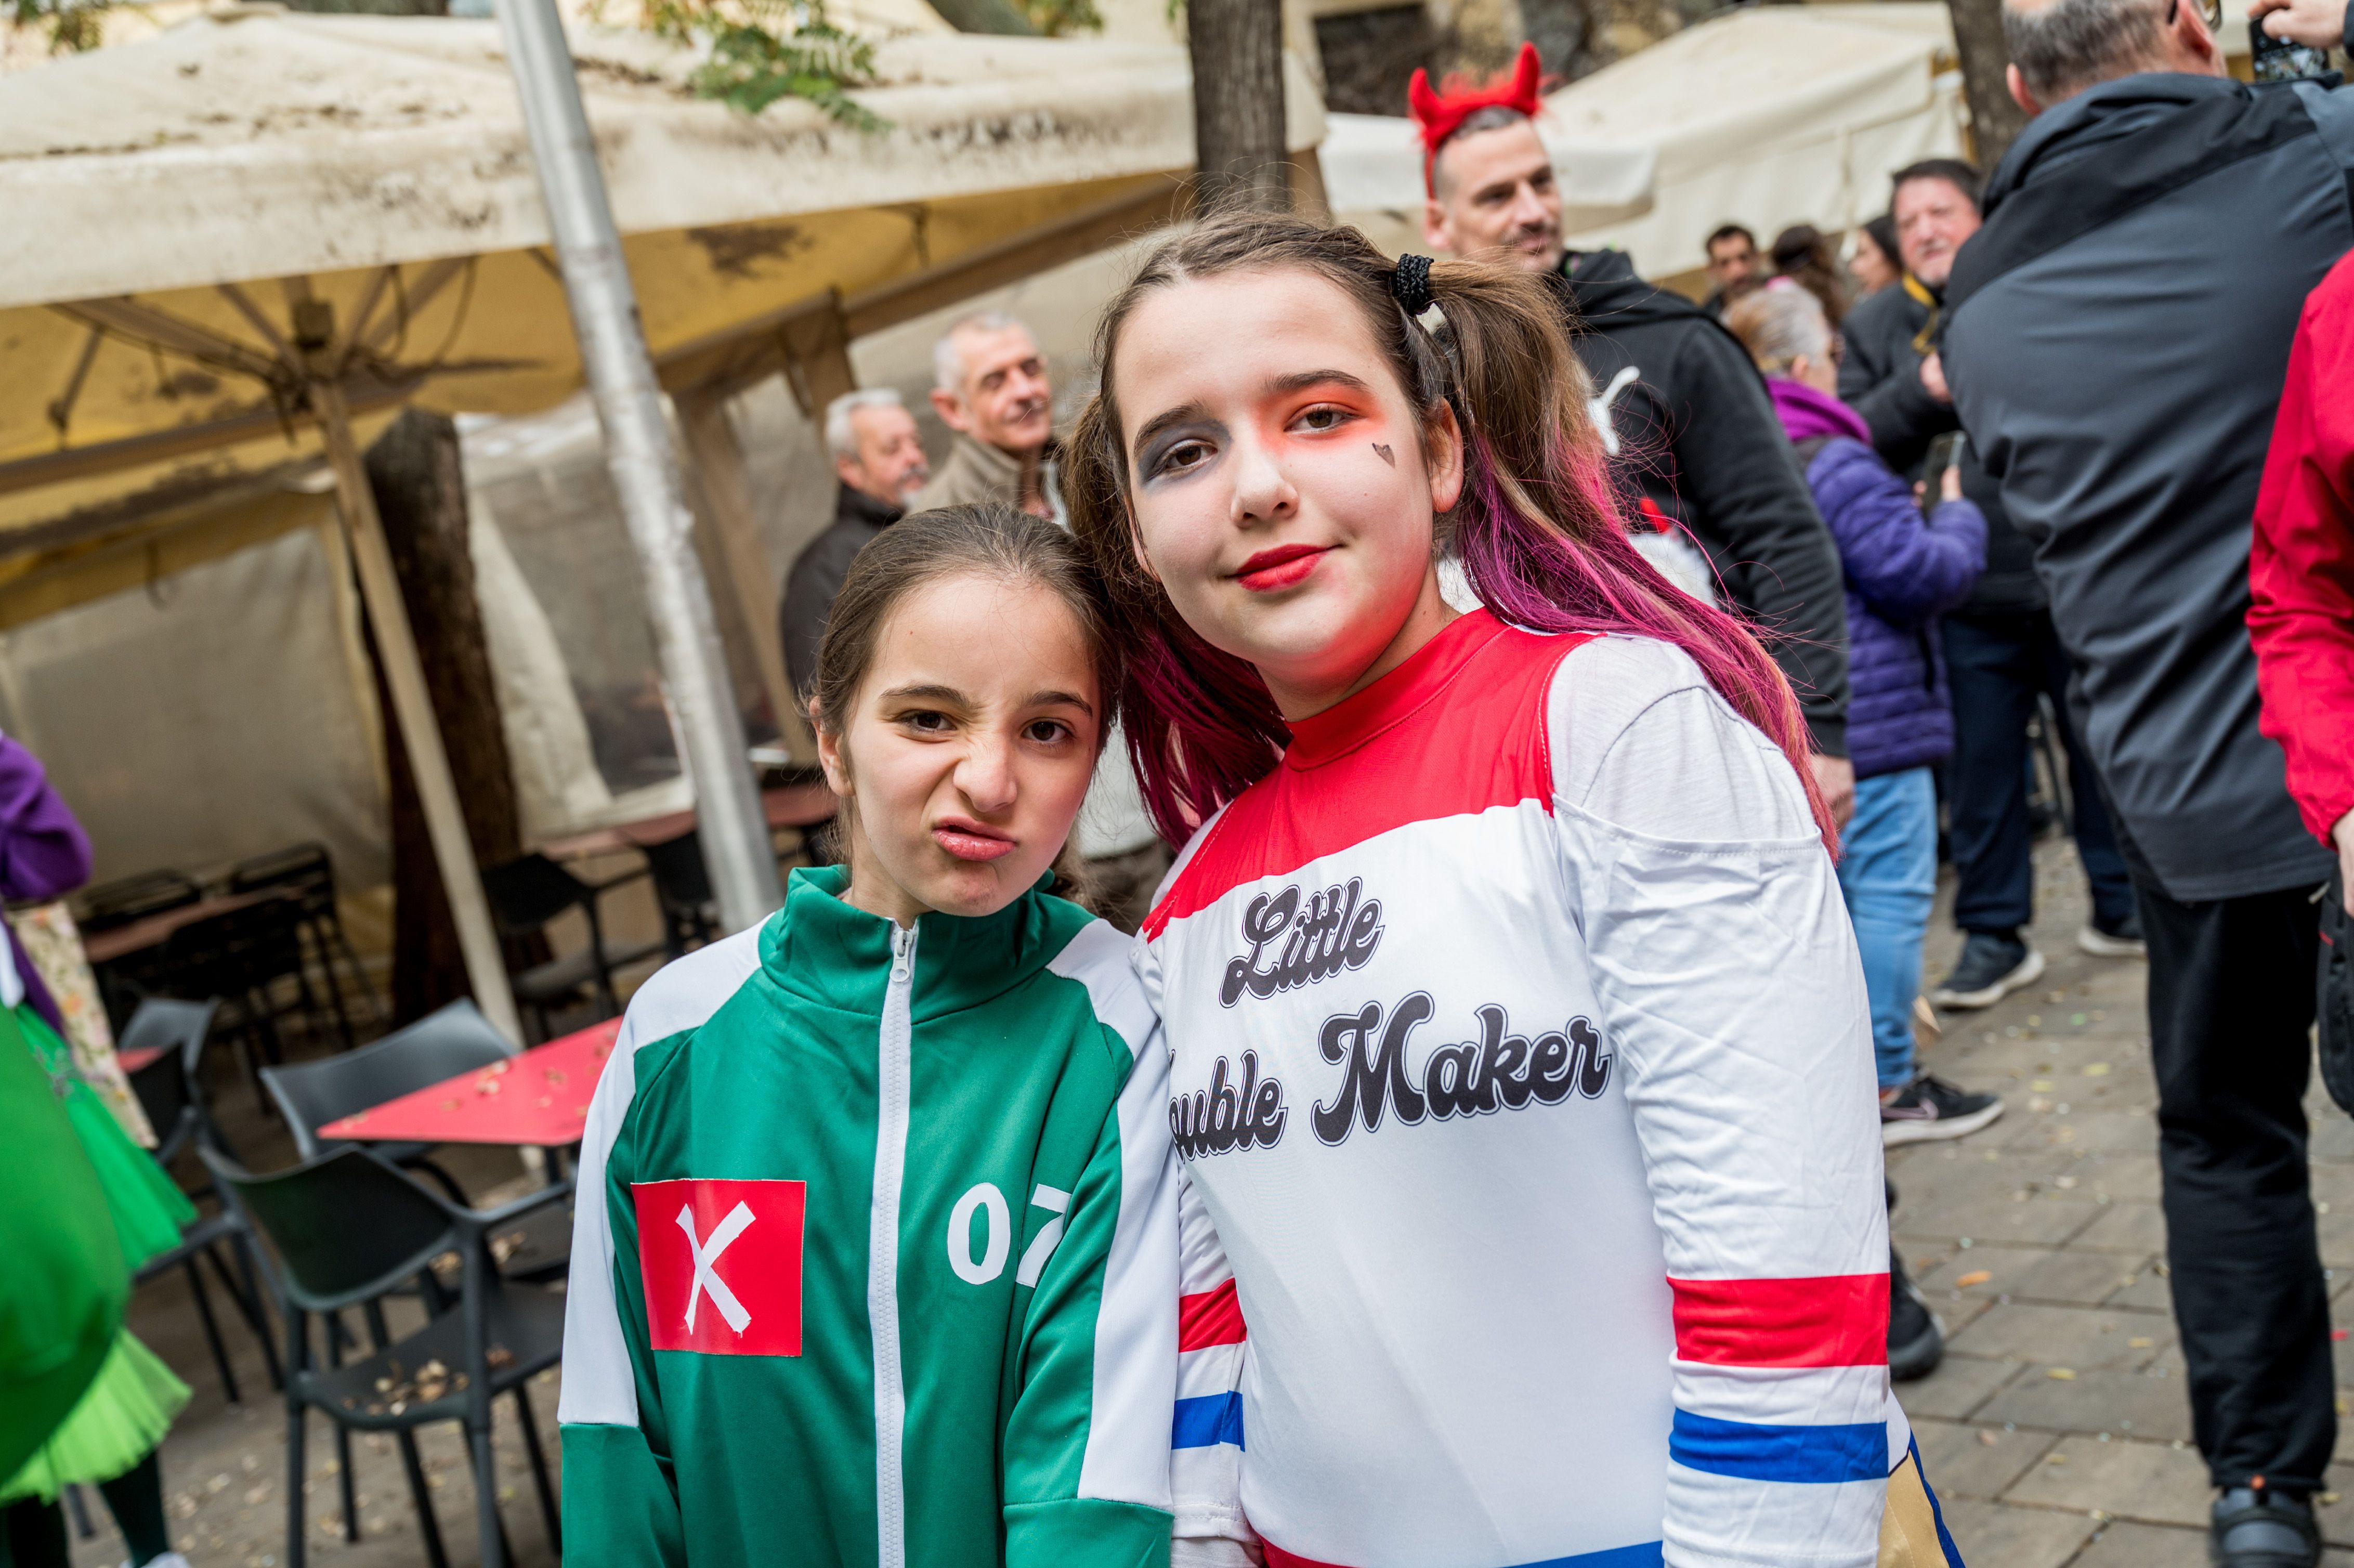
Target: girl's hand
1950,487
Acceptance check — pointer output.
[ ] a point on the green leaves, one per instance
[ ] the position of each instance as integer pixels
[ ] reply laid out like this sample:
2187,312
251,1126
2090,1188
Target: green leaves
762,50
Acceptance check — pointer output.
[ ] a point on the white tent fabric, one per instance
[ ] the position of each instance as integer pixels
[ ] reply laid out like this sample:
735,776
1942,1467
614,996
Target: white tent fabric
1771,116
280,144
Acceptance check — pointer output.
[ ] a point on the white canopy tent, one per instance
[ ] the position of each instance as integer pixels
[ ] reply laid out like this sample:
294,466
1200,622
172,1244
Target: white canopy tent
1770,116
221,233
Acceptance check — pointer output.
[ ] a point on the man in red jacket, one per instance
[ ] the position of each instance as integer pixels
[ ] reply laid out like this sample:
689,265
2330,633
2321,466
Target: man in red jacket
2301,569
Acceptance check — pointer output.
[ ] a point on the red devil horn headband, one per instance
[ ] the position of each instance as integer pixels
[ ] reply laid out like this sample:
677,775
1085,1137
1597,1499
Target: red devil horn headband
1442,112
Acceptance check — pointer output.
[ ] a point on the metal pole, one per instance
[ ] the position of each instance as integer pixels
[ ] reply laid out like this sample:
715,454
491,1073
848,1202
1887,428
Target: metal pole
643,462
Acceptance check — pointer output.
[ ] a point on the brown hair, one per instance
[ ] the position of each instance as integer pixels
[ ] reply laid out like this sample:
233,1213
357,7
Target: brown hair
985,539
1802,255
1538,525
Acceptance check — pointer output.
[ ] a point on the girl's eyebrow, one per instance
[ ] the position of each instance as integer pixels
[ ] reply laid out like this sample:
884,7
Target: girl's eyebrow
1300,380
947,696
1167,419
1063,699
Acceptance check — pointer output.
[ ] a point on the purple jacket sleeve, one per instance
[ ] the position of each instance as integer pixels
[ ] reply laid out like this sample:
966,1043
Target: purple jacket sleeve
1906,567
44,853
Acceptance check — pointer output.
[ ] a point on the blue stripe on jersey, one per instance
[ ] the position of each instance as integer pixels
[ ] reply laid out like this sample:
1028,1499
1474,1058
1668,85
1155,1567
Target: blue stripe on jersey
1937,1511
1205,1422
1806,1454
1648,1555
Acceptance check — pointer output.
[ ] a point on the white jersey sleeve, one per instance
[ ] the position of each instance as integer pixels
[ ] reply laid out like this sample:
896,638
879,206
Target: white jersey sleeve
1723,961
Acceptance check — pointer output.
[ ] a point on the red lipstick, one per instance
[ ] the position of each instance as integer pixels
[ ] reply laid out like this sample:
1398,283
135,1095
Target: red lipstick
1280,568
967,840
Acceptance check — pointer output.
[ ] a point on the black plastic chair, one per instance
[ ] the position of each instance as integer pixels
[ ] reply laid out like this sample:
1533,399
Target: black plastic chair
121,902
348,1230
170,1091
682,885
525,895
306,869
441,1045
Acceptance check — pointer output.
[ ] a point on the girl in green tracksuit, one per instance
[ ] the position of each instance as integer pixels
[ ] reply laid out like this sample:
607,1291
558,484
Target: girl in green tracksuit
875,1250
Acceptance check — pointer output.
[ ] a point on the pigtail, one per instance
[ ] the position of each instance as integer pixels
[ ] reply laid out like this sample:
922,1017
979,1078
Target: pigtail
1539,529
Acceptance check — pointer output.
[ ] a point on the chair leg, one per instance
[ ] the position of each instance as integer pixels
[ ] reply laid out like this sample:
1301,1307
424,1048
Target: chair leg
77,1509
335,922
547,1509
295,1540
249,1302
497,1551
436,1555
317,932
212,1328
348,1489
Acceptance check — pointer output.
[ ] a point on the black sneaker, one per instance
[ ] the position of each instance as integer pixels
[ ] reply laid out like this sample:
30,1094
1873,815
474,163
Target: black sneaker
1992,967
2120,940
1916,1341
2255,1527
1929,1108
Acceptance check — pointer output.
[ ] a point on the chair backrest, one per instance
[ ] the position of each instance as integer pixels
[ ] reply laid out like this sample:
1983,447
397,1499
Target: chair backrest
455,1039
171,1088
132,899
681,879
305,867
346,1226
528,893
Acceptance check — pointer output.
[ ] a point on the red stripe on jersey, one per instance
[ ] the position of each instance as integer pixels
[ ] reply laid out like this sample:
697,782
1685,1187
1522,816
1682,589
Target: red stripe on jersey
1830,1321
1475,696
1276,1557
1212,1317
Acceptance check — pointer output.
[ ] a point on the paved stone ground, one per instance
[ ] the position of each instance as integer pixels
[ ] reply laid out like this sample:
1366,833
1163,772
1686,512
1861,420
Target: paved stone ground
2057,1431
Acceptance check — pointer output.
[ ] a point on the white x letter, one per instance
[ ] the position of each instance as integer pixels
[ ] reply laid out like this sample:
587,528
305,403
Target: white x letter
705,1256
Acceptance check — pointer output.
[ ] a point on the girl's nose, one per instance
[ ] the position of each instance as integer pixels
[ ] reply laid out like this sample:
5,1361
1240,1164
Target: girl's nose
986,774
1262,492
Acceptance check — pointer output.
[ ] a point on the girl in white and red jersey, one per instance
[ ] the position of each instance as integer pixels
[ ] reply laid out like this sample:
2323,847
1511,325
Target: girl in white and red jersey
1521,1064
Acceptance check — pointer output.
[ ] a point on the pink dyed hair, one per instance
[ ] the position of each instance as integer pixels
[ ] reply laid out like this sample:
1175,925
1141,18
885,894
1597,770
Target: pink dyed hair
1538,527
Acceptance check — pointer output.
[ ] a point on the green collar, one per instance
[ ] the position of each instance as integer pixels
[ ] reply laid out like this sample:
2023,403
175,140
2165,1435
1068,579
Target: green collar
839,956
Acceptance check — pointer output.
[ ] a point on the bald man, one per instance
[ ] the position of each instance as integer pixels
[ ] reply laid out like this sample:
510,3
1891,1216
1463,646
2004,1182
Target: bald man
2115,339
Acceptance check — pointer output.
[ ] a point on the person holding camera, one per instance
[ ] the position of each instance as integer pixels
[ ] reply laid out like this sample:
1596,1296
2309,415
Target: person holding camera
2115,339
2000,646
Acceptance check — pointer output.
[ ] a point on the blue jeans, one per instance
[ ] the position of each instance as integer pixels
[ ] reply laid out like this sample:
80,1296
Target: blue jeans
1888,873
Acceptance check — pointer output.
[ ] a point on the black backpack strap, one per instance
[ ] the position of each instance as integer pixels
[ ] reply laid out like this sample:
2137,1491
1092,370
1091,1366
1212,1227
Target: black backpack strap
2045,213
1809,449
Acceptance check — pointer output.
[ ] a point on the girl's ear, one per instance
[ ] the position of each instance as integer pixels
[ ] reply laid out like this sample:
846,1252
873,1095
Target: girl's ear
1444,445
829,755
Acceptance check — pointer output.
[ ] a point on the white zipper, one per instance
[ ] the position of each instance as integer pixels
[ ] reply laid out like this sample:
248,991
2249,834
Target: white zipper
882,1251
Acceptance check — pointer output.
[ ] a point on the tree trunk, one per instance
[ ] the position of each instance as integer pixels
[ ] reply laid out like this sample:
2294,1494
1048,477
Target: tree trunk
1996,120
1237,49
421,491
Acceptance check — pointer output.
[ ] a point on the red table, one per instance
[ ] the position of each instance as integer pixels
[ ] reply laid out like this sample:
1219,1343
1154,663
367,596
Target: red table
540,1098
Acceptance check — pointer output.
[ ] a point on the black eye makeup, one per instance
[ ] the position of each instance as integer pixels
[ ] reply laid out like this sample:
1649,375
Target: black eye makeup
1179,450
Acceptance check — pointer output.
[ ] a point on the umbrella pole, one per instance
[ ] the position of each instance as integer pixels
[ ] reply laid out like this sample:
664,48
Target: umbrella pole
421,733
639,453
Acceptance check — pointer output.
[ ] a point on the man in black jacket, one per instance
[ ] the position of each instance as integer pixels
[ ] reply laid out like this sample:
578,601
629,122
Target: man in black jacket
879,461
2115,338
1683,413
2000,651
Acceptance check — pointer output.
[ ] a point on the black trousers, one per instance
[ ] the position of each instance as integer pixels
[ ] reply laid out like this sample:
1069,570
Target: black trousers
2230,1000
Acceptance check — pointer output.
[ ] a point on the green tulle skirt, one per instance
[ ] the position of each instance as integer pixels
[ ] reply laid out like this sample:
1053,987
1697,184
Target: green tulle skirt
148,1207
121,1416
130,1404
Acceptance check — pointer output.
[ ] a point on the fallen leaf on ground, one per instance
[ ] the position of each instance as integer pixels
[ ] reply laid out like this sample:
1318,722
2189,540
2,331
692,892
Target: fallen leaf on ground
1975,1276
2139,1343
2062,1374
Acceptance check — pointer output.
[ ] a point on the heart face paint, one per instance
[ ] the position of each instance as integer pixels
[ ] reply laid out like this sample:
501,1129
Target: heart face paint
1384,454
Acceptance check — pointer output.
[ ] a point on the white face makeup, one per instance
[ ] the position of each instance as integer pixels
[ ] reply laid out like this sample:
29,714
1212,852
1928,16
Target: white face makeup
1279,480
968,752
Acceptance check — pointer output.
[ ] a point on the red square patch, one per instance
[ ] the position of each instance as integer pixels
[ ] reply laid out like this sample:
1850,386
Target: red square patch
722,1264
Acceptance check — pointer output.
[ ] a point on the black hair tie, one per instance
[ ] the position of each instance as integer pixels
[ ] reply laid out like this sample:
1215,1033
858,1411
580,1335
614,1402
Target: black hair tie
1410,284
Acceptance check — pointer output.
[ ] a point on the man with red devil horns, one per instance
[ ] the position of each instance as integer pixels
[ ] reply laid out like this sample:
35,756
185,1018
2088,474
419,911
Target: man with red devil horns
1700,456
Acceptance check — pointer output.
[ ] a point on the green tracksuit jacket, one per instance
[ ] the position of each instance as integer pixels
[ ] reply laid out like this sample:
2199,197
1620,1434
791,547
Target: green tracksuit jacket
875,1252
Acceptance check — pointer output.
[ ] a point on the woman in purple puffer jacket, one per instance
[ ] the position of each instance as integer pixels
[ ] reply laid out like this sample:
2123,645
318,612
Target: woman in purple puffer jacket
1902,569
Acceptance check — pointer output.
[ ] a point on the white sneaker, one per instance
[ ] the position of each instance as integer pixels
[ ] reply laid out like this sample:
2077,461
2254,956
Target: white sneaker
2100,945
